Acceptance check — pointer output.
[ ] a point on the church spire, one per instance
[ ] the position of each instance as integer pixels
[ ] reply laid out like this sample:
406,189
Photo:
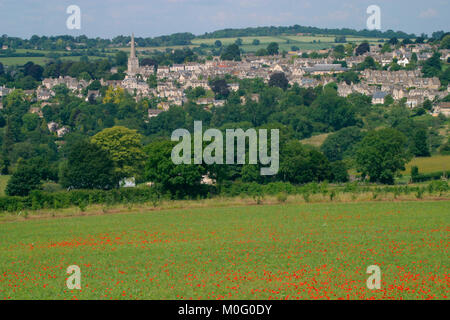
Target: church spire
133,50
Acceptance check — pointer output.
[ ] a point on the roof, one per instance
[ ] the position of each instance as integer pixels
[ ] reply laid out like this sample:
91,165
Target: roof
379,95
326,67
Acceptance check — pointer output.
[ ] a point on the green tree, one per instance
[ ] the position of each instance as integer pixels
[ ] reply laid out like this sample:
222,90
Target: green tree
445,42
121,58
420,147
179,180
382,154
273,48
302,164
25,179
88,167
124,146
231,52
341,144
432,67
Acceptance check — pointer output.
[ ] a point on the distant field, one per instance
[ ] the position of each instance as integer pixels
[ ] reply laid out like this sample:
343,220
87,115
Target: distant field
3,182
432,164
316,141
285,42
309,251
38,60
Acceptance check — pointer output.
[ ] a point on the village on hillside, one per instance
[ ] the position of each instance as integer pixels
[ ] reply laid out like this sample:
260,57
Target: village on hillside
174,80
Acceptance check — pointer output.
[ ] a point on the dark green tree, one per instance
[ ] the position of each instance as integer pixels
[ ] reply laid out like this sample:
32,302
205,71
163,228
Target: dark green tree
279,79
88,167
25,179
273,48
382,154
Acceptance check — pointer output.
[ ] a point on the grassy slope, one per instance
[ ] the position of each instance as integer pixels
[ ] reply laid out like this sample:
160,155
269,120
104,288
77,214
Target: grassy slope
432,164
3,182
316,141
256,252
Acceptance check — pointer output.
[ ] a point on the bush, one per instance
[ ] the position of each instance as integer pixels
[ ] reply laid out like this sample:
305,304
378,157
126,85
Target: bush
429,176
282,197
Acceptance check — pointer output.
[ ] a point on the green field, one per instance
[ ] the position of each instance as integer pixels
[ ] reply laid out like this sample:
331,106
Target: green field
316,141
293,251
9,61
285,42
431,164
3,182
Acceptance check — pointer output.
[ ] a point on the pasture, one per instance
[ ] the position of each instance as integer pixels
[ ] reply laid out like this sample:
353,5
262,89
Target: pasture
290,251
431,164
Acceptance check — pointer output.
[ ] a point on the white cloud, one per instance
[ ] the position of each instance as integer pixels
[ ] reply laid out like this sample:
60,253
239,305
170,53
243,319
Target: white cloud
429,13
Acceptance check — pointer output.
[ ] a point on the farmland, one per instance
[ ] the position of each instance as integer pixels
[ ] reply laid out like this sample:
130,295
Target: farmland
431,164
303,42
290,251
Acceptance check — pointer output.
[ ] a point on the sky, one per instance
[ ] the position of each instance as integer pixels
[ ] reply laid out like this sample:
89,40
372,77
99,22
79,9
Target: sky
150,18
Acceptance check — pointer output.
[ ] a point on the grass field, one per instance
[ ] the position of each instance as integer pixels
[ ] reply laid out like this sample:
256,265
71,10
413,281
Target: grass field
3,182
292,251
316,141
9,61
431,164
285,42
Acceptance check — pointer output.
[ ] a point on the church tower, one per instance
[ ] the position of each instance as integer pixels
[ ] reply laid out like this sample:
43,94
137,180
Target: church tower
133,61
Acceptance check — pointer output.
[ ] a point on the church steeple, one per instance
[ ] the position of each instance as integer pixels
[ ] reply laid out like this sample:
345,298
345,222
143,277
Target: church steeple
133,49
133,61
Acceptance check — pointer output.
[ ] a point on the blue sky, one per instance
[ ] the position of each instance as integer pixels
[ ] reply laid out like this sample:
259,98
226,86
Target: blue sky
149,18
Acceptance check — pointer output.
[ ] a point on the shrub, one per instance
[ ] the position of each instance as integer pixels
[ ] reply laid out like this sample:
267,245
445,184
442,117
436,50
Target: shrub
281,197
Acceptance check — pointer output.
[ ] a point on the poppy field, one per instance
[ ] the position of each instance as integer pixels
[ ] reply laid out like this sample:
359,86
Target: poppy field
291,251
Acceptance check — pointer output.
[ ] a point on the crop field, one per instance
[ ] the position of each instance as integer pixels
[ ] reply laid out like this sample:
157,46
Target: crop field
285,42
432,164
290,251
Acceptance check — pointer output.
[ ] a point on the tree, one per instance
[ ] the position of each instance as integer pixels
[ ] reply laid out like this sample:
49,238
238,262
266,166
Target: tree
302,164
393,41
256,42
218,43
445,42
420,147
2,69
261,52
88,167
339,51
231,52
432,67
381,155
272,48
26,178
121,58
341,144
278,79
362,48
220,88
239,42
125,148
114,95
368,63
179,180
332,111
